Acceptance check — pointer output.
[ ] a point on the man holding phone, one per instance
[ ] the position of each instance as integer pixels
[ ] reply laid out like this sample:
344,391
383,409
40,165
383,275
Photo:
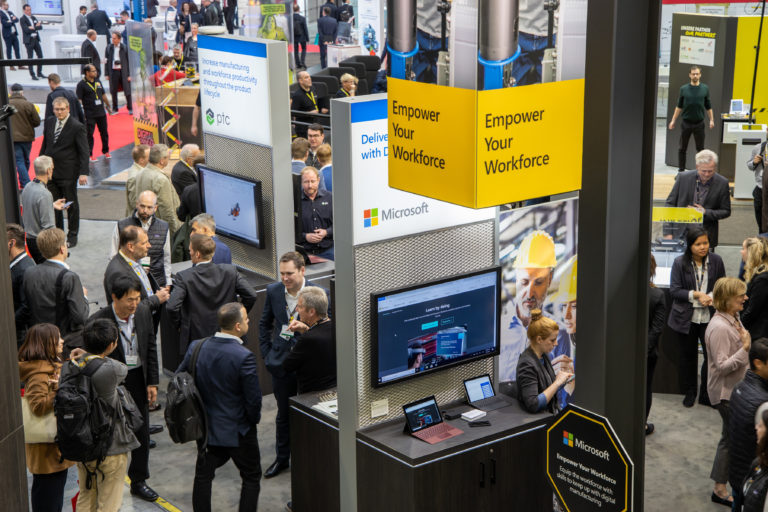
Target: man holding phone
38,205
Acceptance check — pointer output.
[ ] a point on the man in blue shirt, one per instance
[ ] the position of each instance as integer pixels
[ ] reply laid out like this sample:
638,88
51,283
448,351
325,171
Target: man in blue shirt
205,224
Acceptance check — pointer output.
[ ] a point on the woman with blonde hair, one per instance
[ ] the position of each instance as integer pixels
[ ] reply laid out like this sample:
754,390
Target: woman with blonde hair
348,86
728,344
39,368
537,383
755,317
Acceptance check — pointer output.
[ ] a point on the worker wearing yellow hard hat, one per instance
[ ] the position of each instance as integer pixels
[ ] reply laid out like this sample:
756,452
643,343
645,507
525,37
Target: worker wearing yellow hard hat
566,298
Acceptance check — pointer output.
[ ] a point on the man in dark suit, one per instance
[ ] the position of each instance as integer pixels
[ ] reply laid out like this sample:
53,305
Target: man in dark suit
57,90
19,263
183,173
199,292
205,224
98,20
300,37
88,50
706,191
327,27
133,246
10,32
137,348
116,70
226,375
332,9
30,28
65,141
276,341
53,293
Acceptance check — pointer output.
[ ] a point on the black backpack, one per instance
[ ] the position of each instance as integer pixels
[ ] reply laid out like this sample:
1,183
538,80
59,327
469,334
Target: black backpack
185,414
84,421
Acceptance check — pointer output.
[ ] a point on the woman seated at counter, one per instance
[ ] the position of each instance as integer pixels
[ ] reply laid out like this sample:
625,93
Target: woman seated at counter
167,72
537,383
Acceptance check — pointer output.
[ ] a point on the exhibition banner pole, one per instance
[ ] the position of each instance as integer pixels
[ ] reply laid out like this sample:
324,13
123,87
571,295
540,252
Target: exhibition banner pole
757,59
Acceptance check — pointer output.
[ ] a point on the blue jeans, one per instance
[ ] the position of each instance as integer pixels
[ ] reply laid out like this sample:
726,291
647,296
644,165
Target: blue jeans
22,150
426,58
527,67
327,254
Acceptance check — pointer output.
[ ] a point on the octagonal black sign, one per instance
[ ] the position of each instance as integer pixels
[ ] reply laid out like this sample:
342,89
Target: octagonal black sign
587,466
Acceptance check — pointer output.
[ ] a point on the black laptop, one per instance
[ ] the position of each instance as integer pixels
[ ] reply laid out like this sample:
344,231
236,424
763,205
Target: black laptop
480,394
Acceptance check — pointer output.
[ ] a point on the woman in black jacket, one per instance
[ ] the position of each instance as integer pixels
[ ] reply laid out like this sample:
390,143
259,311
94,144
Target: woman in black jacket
692,279
537,383
756,483
657,313
755,316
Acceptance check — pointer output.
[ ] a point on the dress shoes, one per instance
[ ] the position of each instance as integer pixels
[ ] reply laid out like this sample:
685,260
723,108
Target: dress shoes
649,429
689,400
143,491
721,501
276,468
152,444
289,506
155,429
155,407
71,242
34,77
40,75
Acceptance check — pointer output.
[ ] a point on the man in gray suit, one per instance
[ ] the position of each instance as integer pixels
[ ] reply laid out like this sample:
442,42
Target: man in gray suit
706,191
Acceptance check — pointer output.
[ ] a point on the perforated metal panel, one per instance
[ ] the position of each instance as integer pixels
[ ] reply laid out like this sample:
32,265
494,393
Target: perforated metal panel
406,261
255,162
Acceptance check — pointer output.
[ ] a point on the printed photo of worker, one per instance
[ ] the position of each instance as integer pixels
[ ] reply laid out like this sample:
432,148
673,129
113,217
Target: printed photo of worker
538,248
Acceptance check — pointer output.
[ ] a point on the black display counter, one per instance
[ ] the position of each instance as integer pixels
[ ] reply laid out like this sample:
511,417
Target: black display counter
172,355
485,468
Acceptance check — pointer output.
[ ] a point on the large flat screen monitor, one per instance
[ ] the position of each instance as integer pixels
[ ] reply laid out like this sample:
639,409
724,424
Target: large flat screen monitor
45,8
436,325
235,203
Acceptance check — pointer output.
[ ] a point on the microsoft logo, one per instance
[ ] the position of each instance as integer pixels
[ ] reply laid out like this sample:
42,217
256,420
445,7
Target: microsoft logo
370,217
567,439
209,116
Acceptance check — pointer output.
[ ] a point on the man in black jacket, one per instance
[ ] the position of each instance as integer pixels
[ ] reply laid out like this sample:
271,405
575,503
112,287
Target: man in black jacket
136,348
88,50
98,20
65,141
19,263
327,28
300,37
31,28
58,91
117,72
183,173
199,292
745,399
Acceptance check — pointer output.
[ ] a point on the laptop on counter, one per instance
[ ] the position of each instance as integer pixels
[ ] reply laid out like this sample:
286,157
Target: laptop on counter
480,394
423,420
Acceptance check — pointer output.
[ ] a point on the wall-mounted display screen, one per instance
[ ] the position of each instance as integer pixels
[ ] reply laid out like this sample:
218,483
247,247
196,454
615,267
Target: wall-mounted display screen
431,326
235,203
45,8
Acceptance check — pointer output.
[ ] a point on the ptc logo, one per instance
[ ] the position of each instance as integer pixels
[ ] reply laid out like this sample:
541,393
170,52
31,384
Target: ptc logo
210,116
370,217
567,439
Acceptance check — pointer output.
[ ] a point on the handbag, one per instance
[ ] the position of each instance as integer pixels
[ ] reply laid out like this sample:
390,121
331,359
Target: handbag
134,420
37,429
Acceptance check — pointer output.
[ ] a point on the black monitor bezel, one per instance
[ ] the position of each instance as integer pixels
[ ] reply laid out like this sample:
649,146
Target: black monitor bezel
374,363
417,402
257,192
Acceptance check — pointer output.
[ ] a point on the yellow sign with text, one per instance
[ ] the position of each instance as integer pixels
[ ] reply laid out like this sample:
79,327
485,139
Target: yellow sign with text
485,148
681,215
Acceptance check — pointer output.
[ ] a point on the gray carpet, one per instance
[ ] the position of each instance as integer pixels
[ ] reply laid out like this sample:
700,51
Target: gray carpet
101,203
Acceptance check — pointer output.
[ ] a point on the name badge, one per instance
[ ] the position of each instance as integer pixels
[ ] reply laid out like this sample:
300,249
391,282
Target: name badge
286,334
131,360
97,102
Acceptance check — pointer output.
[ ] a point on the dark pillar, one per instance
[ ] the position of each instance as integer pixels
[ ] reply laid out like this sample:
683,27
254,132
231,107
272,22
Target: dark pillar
13,475
614,216
7,161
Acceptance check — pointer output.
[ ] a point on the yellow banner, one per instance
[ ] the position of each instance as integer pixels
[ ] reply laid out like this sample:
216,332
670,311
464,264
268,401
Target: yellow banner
485,148
680,215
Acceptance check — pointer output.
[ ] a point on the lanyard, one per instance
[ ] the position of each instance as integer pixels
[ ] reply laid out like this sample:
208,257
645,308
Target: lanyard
311,96
344,91
699,277
130,341
291,313
95,86
179,64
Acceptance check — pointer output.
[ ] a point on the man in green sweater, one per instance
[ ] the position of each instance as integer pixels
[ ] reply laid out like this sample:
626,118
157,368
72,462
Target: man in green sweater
693,102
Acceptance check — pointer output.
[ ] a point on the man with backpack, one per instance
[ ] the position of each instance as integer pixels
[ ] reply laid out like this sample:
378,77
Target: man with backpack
226,376
98,437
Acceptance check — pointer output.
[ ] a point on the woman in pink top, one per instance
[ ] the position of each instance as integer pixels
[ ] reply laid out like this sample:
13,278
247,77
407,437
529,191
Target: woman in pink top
728,345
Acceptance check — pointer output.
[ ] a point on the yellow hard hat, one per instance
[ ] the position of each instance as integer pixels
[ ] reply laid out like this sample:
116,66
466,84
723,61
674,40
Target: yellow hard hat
566,291
537,250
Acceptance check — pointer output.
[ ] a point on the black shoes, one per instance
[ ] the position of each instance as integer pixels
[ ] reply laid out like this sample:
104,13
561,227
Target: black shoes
34,77
155,407
143,491
649,428
721,501
155,429
276,468
71,242
689,400
152,444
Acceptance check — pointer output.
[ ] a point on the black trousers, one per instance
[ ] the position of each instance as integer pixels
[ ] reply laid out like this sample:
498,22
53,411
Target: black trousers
650,369
246,457
299,61
90,125
757,202
688,129
138,470
33,250
689,356
283,388
34,47
12,43
48,491
115,79
67,189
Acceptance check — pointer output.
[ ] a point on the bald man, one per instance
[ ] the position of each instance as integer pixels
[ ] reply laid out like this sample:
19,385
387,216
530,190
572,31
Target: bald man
159,255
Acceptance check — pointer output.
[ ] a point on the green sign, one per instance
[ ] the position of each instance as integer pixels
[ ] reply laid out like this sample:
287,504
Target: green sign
272,9
135,43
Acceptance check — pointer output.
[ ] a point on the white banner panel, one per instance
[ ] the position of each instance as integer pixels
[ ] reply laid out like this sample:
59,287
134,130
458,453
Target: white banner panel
234,93
381,212
368,21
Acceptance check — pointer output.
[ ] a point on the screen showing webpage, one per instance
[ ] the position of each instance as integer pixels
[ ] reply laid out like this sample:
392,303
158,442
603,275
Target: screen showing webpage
232,202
